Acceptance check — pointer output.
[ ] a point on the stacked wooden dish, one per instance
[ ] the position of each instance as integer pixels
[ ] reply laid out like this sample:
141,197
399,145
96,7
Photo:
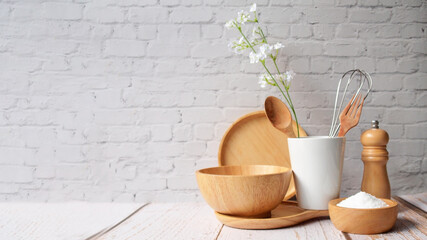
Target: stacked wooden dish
253,182
252,140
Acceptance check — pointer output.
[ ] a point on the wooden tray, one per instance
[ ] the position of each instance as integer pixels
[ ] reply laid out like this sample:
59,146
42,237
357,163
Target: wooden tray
252,140
286,214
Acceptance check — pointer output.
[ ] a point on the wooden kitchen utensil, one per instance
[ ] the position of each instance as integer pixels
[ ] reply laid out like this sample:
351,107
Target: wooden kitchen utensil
279,115
245,190
363,221
286,214
350,116
375,156
252,140
351,75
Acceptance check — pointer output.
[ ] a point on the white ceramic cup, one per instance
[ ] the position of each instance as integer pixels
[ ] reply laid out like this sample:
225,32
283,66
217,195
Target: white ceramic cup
317,167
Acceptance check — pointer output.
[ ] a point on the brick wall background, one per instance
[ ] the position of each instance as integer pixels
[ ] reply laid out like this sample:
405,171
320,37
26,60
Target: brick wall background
124,100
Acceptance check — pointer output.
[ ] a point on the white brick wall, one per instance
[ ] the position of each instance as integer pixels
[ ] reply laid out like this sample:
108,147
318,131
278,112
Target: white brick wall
124,100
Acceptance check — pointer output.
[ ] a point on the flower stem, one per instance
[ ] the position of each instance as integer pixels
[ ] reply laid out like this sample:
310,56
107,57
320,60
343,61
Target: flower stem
272,77
288,97
278,71
263,64
275,64
247,41
293,110
291,105
262,34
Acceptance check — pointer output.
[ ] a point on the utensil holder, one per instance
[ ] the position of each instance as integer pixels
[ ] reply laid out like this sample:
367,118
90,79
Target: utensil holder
317,167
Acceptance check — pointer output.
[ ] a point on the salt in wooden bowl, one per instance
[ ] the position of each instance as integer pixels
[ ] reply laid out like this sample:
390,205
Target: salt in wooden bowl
363,221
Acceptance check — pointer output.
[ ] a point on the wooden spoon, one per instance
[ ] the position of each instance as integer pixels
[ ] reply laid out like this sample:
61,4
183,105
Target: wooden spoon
279,115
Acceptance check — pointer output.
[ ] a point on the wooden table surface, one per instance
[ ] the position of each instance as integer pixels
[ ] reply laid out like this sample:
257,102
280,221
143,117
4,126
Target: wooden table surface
102,221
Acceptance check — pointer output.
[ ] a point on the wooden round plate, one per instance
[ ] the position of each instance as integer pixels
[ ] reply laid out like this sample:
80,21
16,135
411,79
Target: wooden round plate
286,214
252,140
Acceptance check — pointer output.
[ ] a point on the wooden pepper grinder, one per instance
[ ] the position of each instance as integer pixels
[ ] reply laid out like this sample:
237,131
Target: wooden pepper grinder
375,156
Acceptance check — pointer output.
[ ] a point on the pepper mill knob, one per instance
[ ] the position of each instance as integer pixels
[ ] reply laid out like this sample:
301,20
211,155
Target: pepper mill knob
374,137
375,156
375,124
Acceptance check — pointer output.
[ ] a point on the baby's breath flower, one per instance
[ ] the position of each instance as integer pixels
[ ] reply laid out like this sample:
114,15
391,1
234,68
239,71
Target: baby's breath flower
278,45
253,8
261,52
280,77
265,79
238,46
242,17
265,48
264,51
255,41
241,40
232,47
262,56
230,24
254,31
289,75
262,83
253,57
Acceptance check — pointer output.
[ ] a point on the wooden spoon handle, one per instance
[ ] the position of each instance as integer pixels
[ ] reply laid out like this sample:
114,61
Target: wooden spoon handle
289,132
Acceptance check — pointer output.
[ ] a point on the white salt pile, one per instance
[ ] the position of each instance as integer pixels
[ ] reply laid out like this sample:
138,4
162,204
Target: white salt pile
362,200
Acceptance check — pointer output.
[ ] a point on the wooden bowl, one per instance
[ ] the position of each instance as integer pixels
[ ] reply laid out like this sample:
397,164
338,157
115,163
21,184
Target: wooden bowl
246,190
363,221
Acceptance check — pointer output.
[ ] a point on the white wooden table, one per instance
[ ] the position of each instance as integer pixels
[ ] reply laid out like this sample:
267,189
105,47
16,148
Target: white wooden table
104,221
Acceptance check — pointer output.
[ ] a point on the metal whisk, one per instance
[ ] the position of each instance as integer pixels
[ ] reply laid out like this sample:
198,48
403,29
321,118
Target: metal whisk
363,77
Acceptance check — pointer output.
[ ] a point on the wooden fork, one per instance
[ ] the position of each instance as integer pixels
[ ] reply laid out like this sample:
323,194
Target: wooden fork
350,116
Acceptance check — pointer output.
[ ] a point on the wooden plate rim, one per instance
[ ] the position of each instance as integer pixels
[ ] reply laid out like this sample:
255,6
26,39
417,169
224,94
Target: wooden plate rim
274,220
248,117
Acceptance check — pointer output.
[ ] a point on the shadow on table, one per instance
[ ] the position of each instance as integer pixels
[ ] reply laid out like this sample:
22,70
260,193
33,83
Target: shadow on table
403,224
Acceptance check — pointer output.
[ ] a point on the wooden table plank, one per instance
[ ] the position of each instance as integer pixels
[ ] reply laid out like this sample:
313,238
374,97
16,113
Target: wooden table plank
168,221
174,221
418,200
314,229
56,221
107,229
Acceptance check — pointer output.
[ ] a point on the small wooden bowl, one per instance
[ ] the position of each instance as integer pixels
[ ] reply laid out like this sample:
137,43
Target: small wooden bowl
246,190
363,221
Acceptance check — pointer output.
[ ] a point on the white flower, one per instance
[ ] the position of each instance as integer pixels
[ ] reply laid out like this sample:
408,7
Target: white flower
289,75
253,8
262,80
278,45
261,56
238,46
254,41
285,78
230,24
262,83
264,50
242,17
254,32
265,79
241,40
253,57
232,46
